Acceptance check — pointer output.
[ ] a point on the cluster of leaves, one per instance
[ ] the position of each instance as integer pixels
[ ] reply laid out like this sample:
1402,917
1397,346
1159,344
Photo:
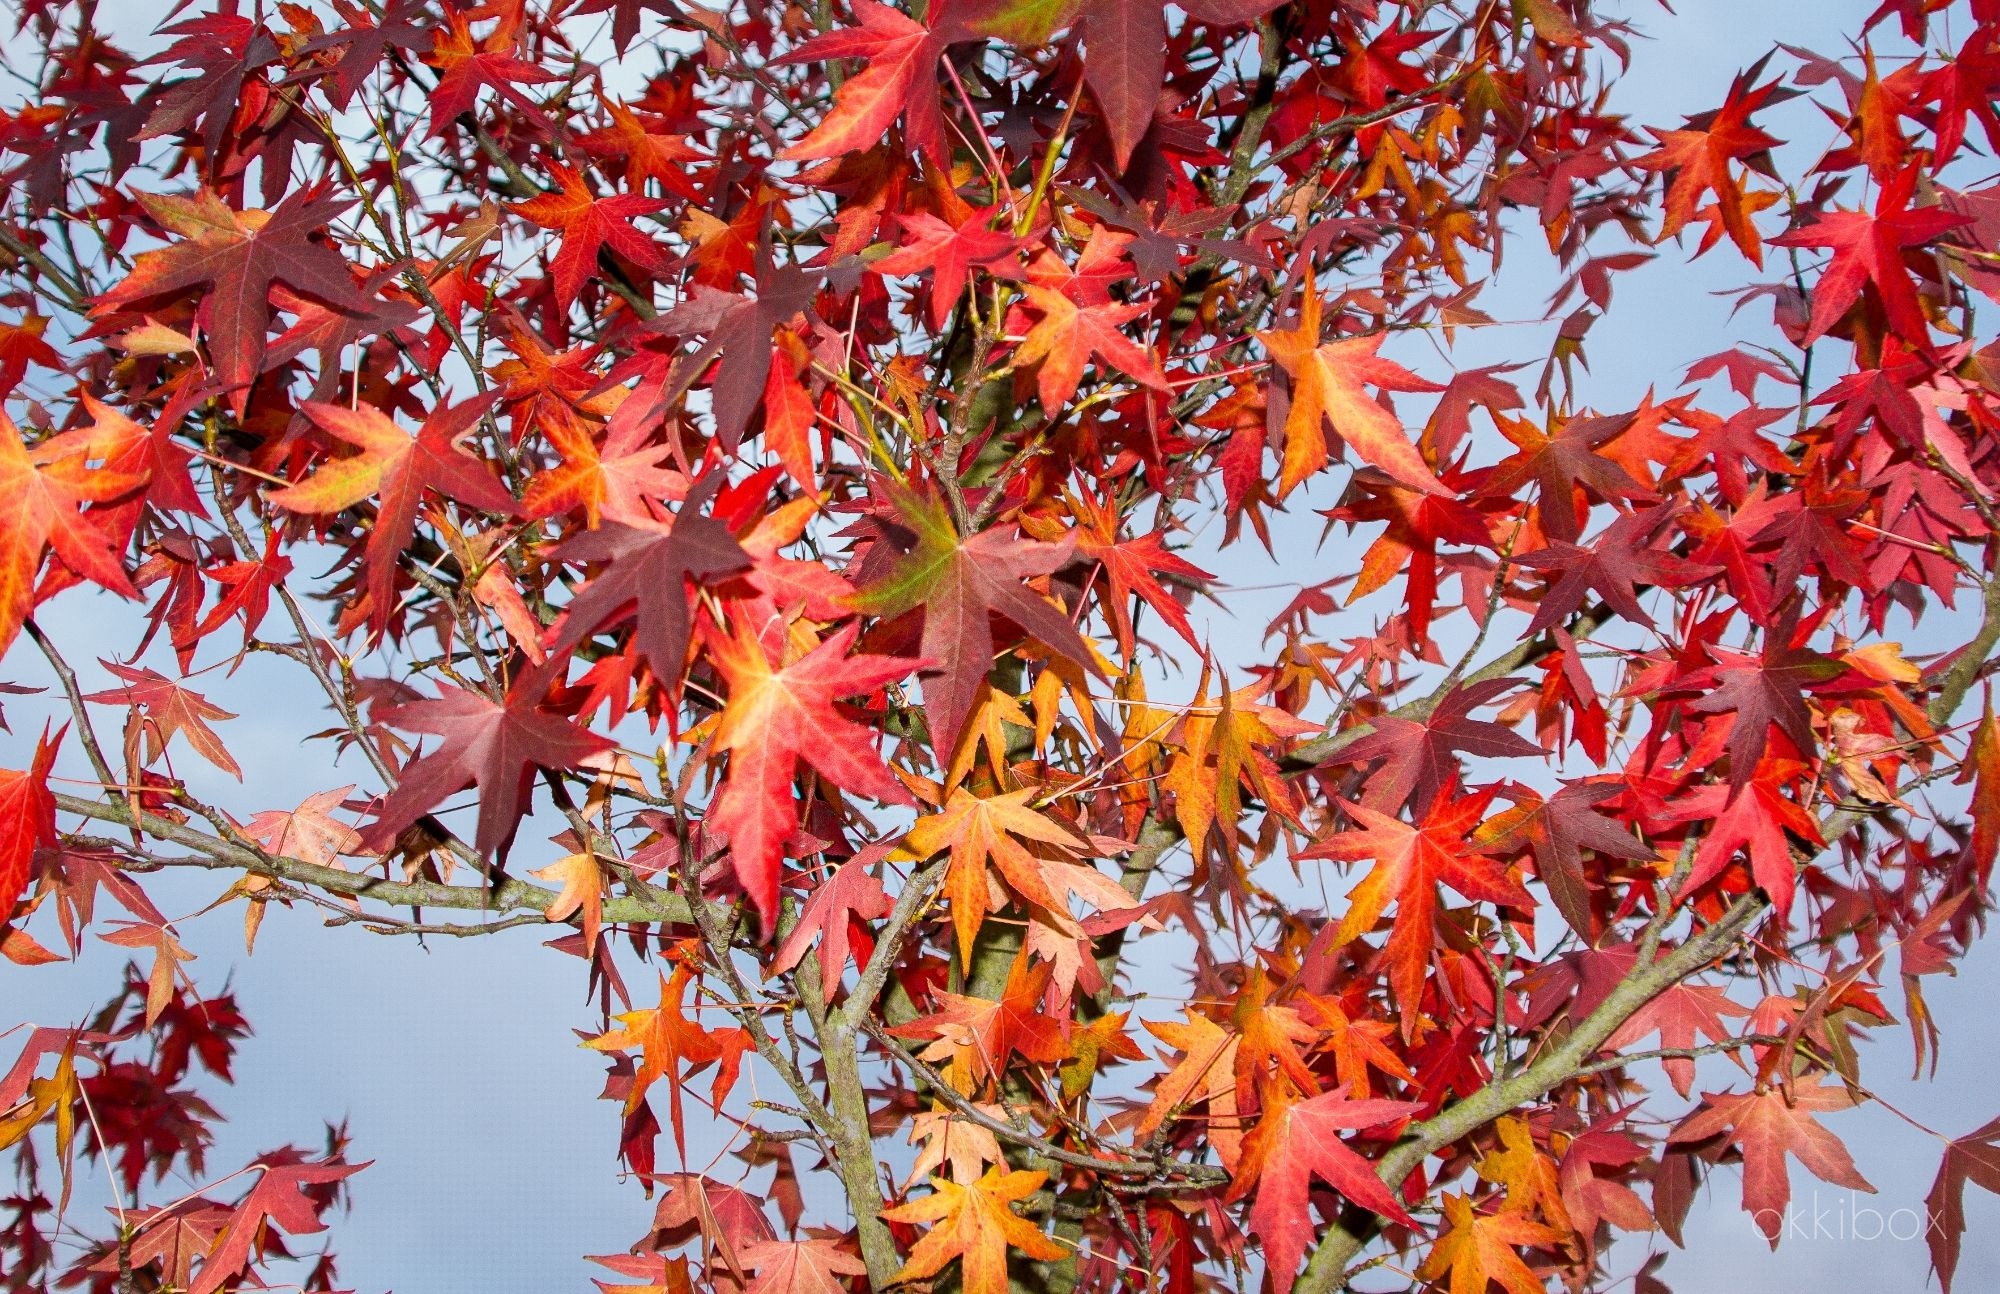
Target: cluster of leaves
120,1088
771,438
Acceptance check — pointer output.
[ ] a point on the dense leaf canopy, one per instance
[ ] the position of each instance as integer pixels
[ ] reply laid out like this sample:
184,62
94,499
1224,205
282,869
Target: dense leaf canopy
755,493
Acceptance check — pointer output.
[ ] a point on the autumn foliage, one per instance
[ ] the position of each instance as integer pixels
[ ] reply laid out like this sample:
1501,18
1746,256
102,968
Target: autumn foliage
751,494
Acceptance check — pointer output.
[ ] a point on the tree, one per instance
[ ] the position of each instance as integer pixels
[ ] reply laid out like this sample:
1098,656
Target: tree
775,448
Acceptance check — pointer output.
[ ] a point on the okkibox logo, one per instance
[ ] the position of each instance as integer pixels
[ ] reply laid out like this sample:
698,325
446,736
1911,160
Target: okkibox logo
1845,1217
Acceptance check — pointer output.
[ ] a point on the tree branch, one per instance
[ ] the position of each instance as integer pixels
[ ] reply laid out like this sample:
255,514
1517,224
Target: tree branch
509,895
1148,1168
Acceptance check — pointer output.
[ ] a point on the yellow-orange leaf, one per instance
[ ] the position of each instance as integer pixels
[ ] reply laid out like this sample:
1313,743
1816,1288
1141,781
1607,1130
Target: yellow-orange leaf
974,1224
981,831
582,881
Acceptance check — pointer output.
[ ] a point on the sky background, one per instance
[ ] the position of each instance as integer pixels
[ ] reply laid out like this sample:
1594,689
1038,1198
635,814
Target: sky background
457,1065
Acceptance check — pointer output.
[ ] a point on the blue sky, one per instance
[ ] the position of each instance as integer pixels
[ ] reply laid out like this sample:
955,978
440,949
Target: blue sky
457,1065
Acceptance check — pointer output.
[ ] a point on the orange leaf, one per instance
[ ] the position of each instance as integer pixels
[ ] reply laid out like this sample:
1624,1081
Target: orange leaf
1479,1249
1327,386
979,832
669,1042
975,1224
582,878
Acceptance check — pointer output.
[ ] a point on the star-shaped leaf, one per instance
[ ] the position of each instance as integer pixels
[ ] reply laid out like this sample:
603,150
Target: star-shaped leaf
1420,756
1697,159
236,258
280,1200
975,1224
1295,1142
984,832
899,54
671,1046
645,577
777,717
814,1265
1411,861
1479,1249
587,222
41,503
1329,381
27,821
496,746
837,912
1067,334
399,467
1975,1158
1768,1125
1753,818
1558,830
961,581
1868,252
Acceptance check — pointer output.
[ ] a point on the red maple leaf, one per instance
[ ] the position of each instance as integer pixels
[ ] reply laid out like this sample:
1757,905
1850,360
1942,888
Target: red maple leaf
465,65
236,257
41,502
949,252
986,1033
837,913
173,1237
364,42
1126,46
960,582
27,820
225,52
1755,818
1295,1142
777,717
621,479
399,467
1066,335
284,1197
22,344
1763,692
1558,830
496,746
1620,561
671,1046
1768,1125
1562,465
1420,756
586,223
1697,158
740,330
1868,251
1329,381
1682,1015
1418,521
1411,861
625,16
1975,1158
899,53
1133,566
814,1265
160,709
646,151
645,579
